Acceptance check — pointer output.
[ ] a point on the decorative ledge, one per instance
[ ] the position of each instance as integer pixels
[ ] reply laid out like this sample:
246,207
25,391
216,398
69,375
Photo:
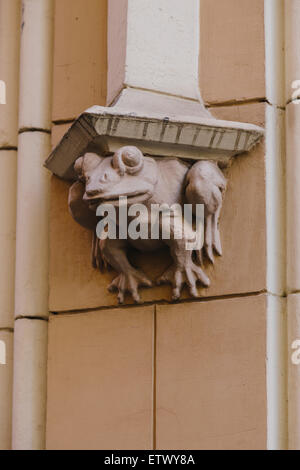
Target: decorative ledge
193,134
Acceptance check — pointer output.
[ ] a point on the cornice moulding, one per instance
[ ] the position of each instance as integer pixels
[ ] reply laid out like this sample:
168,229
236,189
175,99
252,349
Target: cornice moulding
191,133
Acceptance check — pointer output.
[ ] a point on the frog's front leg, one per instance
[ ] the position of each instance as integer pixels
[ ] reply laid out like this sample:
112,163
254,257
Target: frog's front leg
183,270
129,278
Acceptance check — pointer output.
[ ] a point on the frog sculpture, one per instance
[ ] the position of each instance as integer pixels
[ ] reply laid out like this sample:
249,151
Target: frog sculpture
149,181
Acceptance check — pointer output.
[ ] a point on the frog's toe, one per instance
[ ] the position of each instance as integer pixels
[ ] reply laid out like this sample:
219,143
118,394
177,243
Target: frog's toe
166,277
114,286
199,257
121,297
118,284
217,243
129,282
201,276
209,253
176,293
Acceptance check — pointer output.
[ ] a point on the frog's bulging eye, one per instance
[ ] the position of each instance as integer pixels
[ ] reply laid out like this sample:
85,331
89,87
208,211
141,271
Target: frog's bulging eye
128,160
131,159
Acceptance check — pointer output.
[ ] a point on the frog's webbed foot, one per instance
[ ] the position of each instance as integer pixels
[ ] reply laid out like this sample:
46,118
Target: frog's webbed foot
188,274
129,282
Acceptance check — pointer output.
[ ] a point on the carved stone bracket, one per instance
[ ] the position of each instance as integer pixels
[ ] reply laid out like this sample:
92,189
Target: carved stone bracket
122,150
159,125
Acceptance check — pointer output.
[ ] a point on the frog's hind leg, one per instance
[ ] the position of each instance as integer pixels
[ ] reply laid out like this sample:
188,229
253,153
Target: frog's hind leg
129,278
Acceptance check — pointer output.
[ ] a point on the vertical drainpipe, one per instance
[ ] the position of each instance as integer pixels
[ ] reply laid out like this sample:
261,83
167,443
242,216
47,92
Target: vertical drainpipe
31,278
292,21
9,74
276,226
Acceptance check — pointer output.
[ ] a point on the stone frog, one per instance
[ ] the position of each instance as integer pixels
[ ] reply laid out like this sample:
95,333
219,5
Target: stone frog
146,180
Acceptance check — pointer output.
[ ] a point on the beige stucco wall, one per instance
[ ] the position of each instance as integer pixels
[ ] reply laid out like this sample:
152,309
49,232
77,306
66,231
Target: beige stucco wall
80,58
187,375
232,50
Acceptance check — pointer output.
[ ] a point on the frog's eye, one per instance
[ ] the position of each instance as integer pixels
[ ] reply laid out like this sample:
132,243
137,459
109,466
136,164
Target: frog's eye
128,160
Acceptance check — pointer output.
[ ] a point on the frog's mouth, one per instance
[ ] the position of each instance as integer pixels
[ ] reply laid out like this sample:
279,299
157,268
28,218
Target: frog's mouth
116,201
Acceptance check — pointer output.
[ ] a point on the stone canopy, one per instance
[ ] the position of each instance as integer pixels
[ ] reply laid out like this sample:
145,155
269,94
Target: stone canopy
159,125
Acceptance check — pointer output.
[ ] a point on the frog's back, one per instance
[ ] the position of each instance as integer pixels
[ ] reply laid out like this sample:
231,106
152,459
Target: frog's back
171,182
